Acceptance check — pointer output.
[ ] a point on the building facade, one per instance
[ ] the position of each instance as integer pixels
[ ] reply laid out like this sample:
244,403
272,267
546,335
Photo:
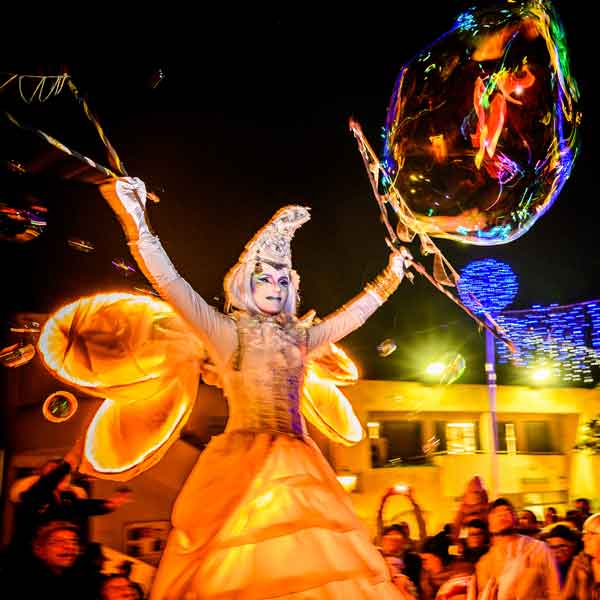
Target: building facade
431,437
435,438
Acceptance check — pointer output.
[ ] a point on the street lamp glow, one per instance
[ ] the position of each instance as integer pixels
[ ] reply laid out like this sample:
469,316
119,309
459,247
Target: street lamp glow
541,374
435,368
348,482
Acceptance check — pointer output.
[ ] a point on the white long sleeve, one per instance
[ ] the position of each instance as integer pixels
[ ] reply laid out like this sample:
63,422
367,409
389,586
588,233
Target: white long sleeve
215,329
343,321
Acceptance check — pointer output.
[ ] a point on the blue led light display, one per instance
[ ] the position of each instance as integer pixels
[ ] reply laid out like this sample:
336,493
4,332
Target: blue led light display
487,285
564,339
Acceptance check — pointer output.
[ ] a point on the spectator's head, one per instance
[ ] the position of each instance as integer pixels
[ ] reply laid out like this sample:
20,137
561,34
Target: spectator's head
550,516
563,541
477,534
527,521
394,540
501,517
118,587
405,529
583,506
435,552
591,536
575,518
57,544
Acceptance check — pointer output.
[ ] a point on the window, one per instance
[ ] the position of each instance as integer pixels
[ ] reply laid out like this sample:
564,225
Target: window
537,436
457,437
373,428
507,438
398,442
461,438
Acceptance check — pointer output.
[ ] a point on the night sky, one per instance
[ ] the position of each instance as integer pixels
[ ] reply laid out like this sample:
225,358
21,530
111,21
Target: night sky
252,114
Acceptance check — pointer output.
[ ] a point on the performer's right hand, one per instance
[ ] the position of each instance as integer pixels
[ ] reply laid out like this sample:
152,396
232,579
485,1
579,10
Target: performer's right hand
127,197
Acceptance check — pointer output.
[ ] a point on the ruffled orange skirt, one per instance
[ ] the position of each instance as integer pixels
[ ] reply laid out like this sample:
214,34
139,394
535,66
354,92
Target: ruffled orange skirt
263,516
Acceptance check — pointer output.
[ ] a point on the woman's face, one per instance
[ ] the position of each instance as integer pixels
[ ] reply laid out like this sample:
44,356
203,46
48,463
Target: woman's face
563,550
270,288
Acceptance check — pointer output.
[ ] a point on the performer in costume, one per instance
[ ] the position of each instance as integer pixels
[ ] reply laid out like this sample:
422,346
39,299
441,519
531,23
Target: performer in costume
262,514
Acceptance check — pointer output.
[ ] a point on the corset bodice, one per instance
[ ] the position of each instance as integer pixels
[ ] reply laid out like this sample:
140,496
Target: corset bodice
263,383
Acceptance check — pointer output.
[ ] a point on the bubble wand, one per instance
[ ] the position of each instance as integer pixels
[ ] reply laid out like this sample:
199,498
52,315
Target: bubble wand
440,277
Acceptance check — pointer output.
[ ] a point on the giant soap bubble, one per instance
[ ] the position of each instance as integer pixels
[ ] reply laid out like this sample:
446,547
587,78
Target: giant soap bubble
482,127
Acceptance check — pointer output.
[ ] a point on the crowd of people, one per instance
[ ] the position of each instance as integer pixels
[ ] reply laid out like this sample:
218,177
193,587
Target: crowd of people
262,515
51,553
488,551
492,551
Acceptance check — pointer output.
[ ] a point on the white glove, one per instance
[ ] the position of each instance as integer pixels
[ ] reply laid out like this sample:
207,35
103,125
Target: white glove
400,261
127,198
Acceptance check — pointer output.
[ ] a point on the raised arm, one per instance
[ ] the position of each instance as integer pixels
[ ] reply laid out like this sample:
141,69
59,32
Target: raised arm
380,526
410,495
354,313
42,489
127,197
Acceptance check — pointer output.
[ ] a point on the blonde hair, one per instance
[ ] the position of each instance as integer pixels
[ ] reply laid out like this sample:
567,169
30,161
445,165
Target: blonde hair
239,294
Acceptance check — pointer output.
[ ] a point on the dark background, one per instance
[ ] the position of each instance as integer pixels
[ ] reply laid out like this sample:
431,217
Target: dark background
252,114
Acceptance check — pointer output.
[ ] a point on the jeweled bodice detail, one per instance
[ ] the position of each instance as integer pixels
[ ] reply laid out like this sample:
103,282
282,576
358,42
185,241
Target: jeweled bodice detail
263,383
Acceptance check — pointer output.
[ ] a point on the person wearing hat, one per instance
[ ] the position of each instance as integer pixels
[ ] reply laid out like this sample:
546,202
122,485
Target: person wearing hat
262,514
473,506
